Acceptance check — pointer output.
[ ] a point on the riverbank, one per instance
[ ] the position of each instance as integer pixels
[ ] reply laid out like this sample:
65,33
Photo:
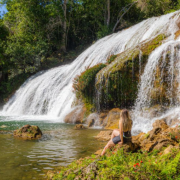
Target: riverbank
155,155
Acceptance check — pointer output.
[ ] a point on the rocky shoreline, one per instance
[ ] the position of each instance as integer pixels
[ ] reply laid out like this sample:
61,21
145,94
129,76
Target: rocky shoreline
161,140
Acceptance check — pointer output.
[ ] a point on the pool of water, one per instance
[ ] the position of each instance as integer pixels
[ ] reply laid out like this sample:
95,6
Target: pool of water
59,146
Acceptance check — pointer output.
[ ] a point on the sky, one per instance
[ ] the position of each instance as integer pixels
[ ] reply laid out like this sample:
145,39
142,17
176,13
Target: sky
2,10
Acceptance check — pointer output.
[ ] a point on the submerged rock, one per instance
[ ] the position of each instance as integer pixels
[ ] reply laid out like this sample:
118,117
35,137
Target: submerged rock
79,126
28,132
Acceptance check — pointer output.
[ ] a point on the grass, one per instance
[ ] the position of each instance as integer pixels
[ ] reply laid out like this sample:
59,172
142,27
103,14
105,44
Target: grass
127,166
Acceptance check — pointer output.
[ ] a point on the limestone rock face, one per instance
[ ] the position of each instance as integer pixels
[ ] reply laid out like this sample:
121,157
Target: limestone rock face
104,135
76,116
160,124
91,123
169,149
28,132
92,119
112,119
160,136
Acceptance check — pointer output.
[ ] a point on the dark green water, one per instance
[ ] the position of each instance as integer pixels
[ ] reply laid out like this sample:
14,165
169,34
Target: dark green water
59,146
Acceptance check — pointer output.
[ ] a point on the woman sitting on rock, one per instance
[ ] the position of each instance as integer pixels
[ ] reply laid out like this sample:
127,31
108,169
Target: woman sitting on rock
123,134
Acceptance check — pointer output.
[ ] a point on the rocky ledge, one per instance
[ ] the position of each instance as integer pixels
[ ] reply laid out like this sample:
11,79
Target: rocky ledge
154,155
28,132
159,137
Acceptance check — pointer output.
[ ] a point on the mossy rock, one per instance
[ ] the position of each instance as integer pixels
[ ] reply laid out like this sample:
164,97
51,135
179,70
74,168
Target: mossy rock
118,81
28,132
84,86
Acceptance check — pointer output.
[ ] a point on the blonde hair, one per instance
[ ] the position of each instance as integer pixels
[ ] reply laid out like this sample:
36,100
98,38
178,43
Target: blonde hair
126,120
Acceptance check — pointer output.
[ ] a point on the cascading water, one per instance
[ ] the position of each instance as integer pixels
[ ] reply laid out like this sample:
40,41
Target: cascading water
165,59
50,93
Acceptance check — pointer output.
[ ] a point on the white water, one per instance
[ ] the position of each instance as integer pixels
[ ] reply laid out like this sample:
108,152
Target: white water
50,93
142,115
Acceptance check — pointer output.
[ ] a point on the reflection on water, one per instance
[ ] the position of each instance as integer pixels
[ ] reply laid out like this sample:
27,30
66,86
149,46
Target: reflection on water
59,146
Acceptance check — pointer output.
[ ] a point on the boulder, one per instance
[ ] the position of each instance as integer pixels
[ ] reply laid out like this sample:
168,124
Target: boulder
28,132
159,137
160,124
104,135
127,147
112,119
79,126
75,116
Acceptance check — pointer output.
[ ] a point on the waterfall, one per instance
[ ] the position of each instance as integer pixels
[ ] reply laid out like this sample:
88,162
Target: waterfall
50,92
165,58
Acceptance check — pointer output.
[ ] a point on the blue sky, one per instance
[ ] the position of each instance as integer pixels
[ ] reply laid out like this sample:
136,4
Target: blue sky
2,9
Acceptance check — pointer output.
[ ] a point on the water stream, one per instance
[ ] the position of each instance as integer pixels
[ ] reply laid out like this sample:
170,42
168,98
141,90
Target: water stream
59,146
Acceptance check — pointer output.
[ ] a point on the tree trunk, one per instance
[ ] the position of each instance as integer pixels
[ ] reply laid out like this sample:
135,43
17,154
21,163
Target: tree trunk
108,11
63,47
127,8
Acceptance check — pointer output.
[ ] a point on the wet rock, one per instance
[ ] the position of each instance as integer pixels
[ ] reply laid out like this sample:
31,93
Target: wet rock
76,116
177,34
79,126
28,132
102,116
92,119
91,122
104,135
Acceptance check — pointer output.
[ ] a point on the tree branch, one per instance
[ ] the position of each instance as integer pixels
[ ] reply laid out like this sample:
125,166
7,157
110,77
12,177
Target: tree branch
125,9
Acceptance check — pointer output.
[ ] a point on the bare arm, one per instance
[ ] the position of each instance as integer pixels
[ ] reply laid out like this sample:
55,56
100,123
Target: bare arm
121,131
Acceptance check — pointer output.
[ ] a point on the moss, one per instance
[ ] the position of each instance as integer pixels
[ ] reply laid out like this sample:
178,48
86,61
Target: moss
111,59
149,46
119,80
84,86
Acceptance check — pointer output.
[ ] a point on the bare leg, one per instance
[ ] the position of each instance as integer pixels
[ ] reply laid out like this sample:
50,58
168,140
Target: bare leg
108,145
114,133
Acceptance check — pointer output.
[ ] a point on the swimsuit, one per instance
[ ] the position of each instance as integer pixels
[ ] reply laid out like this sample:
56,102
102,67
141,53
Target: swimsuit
126,137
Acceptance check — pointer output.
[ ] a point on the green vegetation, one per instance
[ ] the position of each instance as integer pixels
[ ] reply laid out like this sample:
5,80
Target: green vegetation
125,166
120,78
39,34
111,59
84,85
